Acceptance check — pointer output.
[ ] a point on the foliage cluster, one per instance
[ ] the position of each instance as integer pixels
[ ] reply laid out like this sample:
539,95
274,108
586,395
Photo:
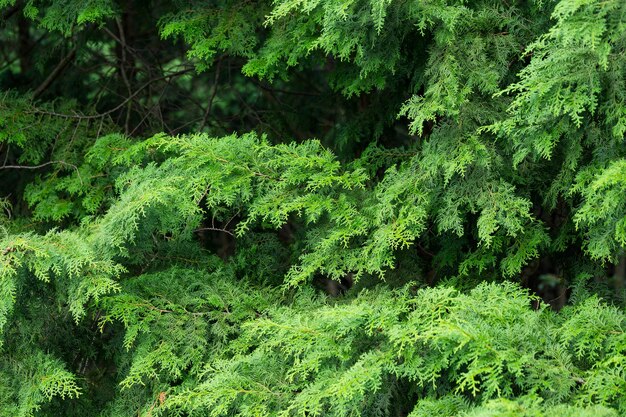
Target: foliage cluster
312,208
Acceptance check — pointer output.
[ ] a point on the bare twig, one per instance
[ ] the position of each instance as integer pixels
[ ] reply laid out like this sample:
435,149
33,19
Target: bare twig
215,229
280,90
31,167
231,219
155,106
123,61
6,157
58,70
213,93
119,106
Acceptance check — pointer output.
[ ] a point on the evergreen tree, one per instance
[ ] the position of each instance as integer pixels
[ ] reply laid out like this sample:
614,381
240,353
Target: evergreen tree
312,208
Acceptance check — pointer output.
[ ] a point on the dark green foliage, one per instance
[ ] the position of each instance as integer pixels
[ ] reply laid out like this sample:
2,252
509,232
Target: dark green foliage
312,208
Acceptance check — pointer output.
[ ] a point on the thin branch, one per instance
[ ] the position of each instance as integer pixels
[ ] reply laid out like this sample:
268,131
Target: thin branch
157,104
215,229
213,93
7,13
30,167
123,61
179,128
119,106
122,43
6,157
56,72
9,62
280,90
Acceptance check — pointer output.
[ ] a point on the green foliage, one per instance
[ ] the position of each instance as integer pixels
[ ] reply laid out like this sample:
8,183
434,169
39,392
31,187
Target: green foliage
80,177
356,208
176,321
603,212
63,256
26,388
208,29
458,353
353,230
64,16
